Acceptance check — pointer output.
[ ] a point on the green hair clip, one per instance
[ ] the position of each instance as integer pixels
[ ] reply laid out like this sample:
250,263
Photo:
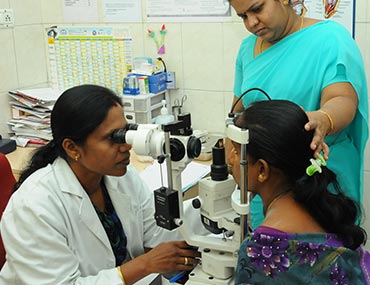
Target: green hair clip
315,165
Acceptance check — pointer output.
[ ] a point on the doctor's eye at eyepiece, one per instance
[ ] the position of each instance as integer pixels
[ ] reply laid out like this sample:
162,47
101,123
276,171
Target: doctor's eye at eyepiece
119,136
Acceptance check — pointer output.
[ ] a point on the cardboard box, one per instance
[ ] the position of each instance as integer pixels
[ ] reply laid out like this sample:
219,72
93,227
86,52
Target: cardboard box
131,91
157,78
157,87
157,82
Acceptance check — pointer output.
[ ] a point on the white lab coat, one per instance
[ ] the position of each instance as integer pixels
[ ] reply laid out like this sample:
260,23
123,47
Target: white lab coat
53,235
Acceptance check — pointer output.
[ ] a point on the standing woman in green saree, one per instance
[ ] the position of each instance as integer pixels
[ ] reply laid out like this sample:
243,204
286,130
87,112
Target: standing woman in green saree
315,64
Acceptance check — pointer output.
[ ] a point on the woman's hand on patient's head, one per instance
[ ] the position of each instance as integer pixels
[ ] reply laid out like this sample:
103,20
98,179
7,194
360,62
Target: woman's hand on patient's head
318,123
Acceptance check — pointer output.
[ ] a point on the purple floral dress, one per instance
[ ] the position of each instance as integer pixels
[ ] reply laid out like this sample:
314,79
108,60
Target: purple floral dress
269,256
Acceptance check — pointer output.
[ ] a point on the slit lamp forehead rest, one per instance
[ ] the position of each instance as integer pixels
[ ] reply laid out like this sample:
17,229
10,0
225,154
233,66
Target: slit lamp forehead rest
235,133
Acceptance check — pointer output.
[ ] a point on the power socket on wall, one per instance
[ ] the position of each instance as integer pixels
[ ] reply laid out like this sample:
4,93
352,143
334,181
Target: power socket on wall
6,18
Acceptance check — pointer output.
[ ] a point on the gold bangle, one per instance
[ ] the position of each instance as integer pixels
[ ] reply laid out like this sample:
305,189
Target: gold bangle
120,275
330,119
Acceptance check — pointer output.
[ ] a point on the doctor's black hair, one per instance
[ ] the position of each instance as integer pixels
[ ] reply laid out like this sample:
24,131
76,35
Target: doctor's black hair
277,135
75,115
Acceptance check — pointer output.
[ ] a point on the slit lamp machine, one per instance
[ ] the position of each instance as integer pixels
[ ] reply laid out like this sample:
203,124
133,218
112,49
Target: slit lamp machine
222,205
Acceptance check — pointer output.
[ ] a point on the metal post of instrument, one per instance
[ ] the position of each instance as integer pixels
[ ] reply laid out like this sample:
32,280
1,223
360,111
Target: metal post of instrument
243,189
168,159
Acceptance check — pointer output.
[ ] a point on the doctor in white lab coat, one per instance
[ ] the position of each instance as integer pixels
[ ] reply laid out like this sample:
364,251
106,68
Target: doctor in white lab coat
50,228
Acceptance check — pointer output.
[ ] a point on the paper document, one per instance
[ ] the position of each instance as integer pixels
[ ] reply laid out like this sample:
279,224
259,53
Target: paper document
193,172
30,115
39,95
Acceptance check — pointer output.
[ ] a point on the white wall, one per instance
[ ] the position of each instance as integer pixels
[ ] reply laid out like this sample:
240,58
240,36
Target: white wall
201,54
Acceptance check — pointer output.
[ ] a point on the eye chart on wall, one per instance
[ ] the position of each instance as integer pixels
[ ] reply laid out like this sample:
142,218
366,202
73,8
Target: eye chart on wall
88,55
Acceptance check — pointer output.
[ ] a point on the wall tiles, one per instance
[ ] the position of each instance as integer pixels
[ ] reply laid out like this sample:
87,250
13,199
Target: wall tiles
26,12
8,69
366,207
30,52
361,11
4,4
233,35
136,31
202,54
4,113
52,11
207,110
362,39
367,157
228,101
173,57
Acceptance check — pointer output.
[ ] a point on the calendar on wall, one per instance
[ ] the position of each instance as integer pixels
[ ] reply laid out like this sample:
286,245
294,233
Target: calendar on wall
89,55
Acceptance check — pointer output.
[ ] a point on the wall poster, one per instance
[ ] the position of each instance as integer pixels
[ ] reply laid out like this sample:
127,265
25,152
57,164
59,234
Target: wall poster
82,55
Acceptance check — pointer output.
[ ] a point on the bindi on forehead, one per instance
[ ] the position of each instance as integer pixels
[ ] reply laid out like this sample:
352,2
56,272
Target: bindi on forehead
244,7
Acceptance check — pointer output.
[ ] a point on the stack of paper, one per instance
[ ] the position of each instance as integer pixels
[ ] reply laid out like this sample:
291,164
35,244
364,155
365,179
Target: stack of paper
30,115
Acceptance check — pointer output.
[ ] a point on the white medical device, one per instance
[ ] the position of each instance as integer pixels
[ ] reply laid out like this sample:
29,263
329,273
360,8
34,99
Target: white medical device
224,206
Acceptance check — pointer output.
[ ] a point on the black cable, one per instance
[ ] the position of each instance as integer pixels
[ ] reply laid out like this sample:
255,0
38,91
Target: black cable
245,93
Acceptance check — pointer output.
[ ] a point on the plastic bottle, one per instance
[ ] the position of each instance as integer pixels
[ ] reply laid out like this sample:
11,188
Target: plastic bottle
164,117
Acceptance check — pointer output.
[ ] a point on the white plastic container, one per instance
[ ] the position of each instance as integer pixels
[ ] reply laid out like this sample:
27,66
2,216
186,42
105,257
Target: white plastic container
164,117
